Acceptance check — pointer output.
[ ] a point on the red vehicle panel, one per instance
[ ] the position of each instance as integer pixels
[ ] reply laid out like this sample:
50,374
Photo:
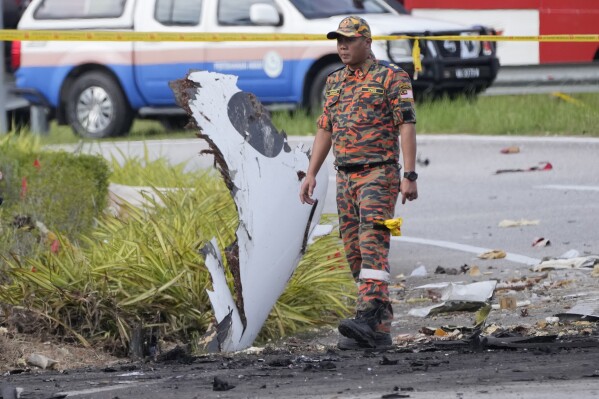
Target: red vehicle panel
556,17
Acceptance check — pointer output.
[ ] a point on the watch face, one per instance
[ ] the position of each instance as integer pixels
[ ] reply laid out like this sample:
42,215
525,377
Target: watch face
411,176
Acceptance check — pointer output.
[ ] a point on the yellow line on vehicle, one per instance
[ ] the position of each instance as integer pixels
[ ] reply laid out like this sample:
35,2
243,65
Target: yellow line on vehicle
125,36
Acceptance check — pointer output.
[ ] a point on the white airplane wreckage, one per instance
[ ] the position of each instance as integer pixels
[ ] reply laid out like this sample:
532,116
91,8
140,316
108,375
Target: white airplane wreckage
264,176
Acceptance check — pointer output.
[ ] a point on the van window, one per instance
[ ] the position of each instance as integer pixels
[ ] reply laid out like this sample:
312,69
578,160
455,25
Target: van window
328,8
68,9
178,12
237,12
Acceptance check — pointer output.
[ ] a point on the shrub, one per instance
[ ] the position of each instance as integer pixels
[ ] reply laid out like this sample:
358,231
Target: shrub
146,270
63,191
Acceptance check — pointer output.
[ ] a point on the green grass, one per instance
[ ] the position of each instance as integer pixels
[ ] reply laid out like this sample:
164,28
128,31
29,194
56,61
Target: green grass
526,115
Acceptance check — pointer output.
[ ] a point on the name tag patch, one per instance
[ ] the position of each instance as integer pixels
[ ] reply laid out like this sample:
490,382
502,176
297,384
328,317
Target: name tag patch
333,92
373,90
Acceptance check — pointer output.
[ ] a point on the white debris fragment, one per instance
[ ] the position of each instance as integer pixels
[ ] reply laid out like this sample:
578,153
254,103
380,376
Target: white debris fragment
41,361
319,231
420,271
264,176
459,297
584,309
582,262
519,304
572,253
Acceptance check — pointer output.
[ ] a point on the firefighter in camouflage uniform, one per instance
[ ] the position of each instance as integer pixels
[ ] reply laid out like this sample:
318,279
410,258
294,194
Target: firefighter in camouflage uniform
368,103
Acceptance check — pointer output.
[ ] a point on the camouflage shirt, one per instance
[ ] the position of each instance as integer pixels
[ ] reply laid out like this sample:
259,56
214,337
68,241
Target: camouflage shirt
364,109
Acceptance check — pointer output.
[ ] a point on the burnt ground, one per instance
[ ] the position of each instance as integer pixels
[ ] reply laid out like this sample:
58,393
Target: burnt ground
519,354
485,367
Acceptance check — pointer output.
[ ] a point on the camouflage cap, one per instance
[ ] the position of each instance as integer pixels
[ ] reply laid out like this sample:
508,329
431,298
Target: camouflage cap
351,27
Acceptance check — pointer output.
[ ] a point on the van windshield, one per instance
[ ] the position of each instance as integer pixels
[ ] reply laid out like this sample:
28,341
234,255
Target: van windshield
328,8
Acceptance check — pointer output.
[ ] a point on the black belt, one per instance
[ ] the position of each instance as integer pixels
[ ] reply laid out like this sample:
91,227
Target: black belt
363,166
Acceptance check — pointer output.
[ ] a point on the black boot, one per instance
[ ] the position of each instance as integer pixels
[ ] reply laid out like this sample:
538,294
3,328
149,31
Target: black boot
382,341
361,328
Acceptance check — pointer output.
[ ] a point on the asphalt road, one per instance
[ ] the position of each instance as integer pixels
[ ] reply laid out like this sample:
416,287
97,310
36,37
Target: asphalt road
462,199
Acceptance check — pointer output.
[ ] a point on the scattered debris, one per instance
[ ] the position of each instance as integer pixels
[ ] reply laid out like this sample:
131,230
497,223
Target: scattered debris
420,271
449,271
519,304
422,162
543,166
120,197
507,302
221,385
394,395
458,297
386,362
474,271
518,223
261,171
41,361
494,254
320,366
583,262
541,242
319,231
569,254
520,284
513,149
516,342
585,309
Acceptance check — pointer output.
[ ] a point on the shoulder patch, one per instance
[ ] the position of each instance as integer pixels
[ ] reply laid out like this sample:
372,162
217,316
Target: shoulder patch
390,65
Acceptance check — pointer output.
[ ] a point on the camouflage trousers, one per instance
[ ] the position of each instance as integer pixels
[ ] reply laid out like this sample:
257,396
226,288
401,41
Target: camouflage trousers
363,198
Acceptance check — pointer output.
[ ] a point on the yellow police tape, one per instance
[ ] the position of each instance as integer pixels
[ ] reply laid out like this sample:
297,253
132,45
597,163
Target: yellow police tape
122,36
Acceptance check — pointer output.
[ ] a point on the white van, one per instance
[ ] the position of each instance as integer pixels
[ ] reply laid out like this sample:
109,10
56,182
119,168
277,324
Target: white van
99,87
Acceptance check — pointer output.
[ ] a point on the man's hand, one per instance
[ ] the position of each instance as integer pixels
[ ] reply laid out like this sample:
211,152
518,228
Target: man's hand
409,190
307,189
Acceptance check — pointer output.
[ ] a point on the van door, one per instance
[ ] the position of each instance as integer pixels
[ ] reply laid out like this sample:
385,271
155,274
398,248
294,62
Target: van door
264,68
157,63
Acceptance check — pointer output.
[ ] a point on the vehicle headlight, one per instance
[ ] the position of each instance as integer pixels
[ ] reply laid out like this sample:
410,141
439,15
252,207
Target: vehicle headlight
400,50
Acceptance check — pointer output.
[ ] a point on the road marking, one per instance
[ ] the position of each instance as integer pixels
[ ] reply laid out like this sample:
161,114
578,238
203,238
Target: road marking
122,385
466,248
568,187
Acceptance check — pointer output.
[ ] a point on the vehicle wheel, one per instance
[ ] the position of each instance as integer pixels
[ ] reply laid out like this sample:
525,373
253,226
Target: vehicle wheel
96,107
316,98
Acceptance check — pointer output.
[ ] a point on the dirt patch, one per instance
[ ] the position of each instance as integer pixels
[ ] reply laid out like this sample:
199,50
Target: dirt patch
15,348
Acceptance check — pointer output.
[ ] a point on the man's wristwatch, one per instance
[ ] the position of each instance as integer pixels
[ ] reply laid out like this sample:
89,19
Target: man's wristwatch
411,175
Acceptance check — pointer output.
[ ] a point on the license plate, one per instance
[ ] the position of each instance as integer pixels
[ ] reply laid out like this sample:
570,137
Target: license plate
467,73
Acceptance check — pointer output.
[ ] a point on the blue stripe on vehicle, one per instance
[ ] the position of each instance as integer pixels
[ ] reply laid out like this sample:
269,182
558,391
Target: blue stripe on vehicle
152,89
